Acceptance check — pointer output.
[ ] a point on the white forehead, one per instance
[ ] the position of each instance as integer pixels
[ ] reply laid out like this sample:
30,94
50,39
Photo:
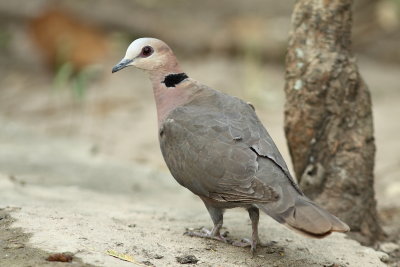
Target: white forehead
136,46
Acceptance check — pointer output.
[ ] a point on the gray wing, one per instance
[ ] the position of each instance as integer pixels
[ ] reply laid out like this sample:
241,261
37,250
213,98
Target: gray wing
213,146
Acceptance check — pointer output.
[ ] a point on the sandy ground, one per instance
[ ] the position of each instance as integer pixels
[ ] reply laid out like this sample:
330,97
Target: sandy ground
122,213
88,177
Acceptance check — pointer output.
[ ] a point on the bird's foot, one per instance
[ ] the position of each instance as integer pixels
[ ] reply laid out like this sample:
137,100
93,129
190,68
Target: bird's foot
252,243
205,233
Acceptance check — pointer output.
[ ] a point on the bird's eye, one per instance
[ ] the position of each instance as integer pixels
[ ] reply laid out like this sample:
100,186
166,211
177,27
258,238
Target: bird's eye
147,51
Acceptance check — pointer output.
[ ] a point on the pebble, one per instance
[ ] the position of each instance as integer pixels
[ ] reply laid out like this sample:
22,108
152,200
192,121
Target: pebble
147,263
158,256
383,257
187,259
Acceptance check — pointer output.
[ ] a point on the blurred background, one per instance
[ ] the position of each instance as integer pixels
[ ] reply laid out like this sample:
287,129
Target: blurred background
55,76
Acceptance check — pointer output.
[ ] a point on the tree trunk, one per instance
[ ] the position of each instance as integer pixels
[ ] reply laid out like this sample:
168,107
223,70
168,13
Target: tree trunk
328,116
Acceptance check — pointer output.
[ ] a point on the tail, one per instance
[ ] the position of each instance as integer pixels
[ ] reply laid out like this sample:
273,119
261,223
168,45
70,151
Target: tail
304,216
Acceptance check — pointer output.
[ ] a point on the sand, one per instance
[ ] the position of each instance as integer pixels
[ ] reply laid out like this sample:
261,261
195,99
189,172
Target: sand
68,199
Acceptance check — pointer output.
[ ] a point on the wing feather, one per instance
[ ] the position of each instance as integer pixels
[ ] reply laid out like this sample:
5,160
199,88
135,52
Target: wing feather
213,145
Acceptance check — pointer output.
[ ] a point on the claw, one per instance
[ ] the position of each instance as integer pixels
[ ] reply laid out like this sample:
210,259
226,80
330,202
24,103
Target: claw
245,242
205,233
216,235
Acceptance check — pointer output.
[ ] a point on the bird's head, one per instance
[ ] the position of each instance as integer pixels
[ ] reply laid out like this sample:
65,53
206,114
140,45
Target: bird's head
148,54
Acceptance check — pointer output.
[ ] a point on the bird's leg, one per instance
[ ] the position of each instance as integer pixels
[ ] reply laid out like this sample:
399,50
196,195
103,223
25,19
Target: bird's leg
217,218
254,215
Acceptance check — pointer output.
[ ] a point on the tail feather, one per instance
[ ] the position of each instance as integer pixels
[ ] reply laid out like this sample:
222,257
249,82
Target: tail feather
306,217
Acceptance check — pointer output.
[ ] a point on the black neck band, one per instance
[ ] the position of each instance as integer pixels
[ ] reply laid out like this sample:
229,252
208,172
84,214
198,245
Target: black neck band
173,79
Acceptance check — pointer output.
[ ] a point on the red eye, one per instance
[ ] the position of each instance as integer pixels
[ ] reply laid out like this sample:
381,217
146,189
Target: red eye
147,51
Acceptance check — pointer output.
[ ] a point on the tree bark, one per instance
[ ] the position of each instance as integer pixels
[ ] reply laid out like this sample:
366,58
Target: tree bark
328,116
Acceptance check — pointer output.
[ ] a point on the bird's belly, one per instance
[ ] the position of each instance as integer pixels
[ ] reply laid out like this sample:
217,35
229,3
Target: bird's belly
224,204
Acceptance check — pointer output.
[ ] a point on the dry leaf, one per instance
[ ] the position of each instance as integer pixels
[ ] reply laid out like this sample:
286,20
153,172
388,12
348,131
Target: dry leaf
124,257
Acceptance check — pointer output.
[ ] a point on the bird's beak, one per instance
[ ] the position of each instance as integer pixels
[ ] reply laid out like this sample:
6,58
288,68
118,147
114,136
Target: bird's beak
122,64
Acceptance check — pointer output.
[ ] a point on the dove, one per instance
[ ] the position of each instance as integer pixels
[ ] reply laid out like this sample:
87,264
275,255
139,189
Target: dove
215,145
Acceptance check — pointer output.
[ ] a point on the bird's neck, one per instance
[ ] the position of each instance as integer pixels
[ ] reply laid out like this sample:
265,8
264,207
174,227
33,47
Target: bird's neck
170,91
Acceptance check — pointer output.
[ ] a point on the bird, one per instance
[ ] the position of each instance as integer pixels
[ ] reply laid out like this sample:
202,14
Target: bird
215,145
